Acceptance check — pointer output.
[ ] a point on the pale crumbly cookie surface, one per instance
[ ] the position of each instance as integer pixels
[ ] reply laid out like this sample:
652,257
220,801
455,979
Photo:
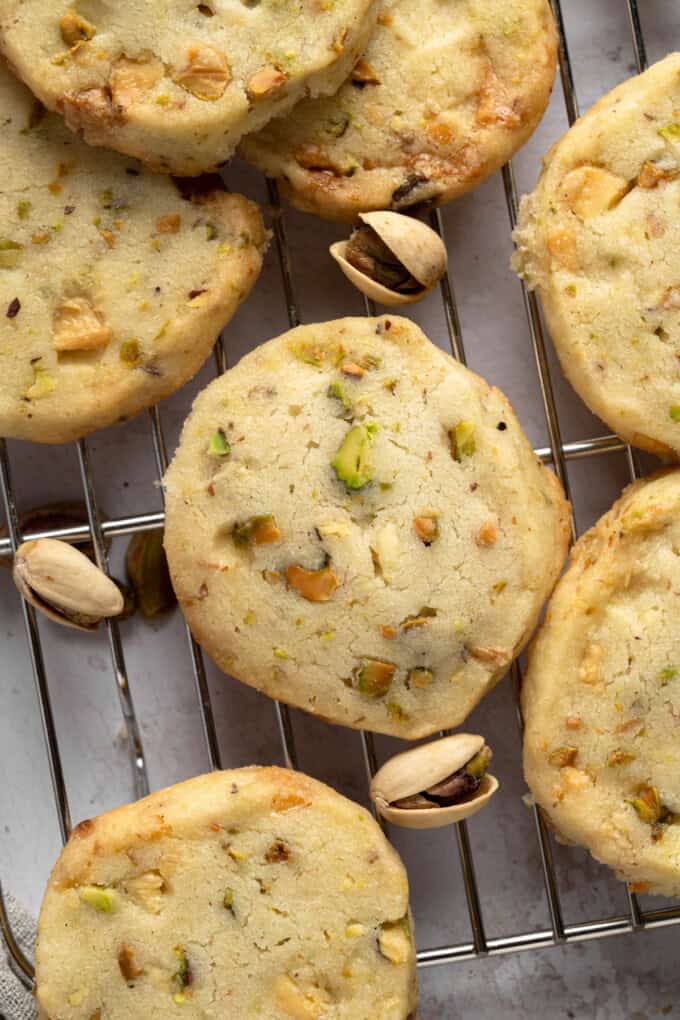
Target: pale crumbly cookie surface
601,696
395,605
599,239
113,287
444,95
257,892
177,83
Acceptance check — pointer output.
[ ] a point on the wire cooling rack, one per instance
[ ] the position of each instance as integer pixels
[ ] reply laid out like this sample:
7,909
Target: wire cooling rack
99,531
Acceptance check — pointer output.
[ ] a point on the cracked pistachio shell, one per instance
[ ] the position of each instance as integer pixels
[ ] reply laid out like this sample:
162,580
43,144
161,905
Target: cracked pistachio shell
64,584
420,768
415,245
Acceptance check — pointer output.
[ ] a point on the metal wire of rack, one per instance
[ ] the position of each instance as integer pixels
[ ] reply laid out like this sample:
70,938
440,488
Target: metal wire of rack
558,453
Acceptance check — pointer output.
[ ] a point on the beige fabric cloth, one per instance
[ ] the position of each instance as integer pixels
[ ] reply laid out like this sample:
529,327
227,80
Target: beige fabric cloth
16,1001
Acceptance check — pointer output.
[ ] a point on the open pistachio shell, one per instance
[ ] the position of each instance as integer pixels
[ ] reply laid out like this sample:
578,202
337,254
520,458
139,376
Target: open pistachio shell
417,246
419,249
64,584
419,769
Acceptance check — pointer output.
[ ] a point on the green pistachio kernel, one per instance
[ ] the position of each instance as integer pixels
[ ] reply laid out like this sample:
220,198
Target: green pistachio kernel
259,530
338,392
462,440
563,756
219,445
182,976
374,677
311,354
99,898
675,412
648,805
420,677
229,900
668,673
352,461
210,231
23,209
397,711
670,132
478,765
130,353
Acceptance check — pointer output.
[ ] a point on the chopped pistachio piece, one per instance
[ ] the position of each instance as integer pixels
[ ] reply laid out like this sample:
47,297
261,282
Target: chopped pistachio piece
426,528
75,29
394,941
374,677
675,412
619,757
219,445
668,673
462,439
338,392
563,756
309,353
670,132
418,619
420,677
259,530
313,585
130,353
99,897
352,461
182,976
648,805
229,899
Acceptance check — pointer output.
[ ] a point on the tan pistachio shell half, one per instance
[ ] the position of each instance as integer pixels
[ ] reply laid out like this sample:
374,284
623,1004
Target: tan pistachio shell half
418,769
419,248
64,584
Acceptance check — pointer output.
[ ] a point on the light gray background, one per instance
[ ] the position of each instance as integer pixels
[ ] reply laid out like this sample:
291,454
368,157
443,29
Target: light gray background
632,977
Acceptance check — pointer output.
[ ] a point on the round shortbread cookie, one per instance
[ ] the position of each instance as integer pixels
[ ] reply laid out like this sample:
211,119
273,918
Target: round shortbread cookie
113,287
444,95
253,893
599,239
601,696
357,525
177,83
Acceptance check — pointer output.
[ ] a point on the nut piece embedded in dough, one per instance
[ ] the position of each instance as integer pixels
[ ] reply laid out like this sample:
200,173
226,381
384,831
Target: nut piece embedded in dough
64,584
206,73
131,81
374,677
392,258
259,530
313,585
591,190
352,461
266,82
299,1003
435,784
394,941
77,326
75,29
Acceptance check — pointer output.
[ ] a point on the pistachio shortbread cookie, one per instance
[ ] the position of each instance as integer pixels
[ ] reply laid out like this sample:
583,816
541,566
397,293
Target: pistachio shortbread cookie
113,287
253,893
177,83
601,696
599,240
444,94
357,525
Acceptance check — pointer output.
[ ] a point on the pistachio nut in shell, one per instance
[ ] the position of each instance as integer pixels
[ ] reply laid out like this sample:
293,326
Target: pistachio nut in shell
64,584
392,258
435,784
